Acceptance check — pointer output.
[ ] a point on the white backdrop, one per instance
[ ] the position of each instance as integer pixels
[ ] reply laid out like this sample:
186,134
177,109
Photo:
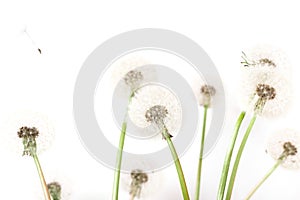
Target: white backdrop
68,31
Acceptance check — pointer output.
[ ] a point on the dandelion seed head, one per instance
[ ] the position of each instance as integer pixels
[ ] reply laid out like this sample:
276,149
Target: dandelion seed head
142,184
156,114
285,142
133,79
26,125
28,136
54,190
268,93
206,94
125,67
59,185
166,107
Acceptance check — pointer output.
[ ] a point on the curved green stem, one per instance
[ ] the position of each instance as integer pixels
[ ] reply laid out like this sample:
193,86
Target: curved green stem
42,178
184,189
238,158
198,181
119,162
115,195
275,166
228,156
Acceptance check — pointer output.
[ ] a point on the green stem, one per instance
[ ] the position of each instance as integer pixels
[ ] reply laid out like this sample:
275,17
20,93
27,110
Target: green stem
115,195
228,156
275,166
41,175
238,158
198,182
184,189
119,162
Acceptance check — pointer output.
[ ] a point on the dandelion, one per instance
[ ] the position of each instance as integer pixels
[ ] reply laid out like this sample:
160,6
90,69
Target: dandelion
149,96
58,185
30,119
124,65
266,94
156,115
28,136
140,182
207,92
284,148
269,96
55,190
132,79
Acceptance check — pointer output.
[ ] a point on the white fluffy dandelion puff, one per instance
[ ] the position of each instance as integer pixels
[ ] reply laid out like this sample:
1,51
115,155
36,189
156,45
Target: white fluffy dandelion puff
285,145
25,126
206,94
265,57
124,65
266,94
153,95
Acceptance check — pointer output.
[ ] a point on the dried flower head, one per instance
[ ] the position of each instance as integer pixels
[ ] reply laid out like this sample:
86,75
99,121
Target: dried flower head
206,94
28,136
285,145
59,185
27,125
266,93
265,56
138,179
154,103
140,183
54,190
133,79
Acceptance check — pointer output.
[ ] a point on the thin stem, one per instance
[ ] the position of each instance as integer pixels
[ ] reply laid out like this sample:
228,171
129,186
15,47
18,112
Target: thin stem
115,195
238,158
184,189
275,166
41,175
132,197
198,182
228,156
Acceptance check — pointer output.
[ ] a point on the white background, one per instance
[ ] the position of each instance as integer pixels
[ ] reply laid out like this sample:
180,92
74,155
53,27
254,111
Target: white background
68,31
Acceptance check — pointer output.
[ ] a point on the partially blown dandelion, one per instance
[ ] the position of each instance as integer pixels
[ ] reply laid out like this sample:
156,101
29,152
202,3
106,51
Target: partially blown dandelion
28,136
284,148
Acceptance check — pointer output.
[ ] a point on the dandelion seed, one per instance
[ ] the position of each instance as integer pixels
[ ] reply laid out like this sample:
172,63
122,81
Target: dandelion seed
32,41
